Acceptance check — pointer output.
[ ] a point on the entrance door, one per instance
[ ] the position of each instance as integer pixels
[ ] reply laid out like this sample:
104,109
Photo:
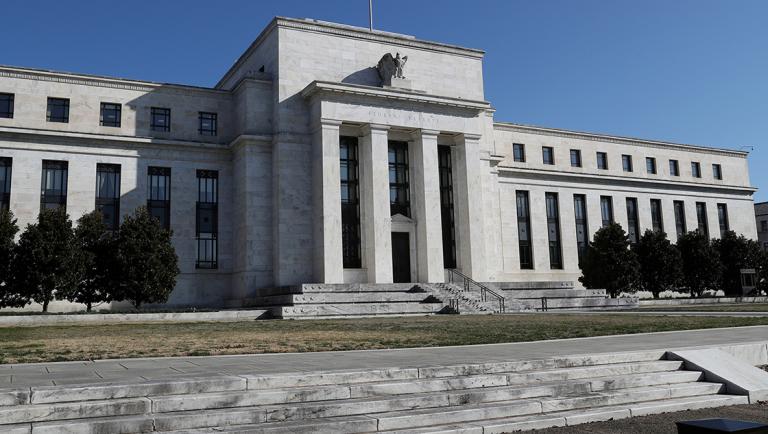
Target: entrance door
401,257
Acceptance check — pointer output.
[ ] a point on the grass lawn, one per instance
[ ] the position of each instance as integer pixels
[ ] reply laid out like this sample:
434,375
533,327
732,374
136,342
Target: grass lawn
58,343
740,307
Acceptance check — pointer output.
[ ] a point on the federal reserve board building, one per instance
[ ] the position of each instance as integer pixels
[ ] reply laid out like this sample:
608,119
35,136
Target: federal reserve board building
335,158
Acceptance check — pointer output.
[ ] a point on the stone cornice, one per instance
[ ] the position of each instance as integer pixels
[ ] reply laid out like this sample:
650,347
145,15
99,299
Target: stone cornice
581,177
327,87
615,139
99,81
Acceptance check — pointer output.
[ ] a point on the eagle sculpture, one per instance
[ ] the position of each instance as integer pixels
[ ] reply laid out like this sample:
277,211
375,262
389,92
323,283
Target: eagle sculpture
390,67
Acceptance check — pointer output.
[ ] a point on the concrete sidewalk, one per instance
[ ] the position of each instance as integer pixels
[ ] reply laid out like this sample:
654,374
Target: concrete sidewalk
126,370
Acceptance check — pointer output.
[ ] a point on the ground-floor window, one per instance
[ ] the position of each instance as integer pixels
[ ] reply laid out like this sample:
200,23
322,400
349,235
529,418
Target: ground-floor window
633,228
53,191
446,206
657,221
701,216
582,234
553,231
722,215
207,221
680,224
5,183
108,194
350,202
159,194
524,230
606,209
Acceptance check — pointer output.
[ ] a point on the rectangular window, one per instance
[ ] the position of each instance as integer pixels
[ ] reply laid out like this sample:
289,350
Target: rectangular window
53,190
208,124
680,224
717,171
350,202
582,236
5,183
633,227
657,221
764,226
207,220
108,194
160,119
606,210
674,168
110,114
58,110
701,217
575,158
696,170
524,230
626,163
159,194
722,216
548,155
445,167
650,165
553,231
399,186
602,161
518,152
6,105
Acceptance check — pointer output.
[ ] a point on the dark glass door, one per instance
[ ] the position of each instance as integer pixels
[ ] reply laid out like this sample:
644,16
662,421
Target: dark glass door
401,257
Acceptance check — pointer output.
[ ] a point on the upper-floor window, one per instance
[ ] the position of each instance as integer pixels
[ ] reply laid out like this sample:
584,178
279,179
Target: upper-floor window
108,194
5,183
674,168
6,105
207,221
58,110
399,185
650,165
160,119
602,161
575,158
208,124
606,209
518,152
548,154
717,171
696,170
626,163
110,114
53,189
159,194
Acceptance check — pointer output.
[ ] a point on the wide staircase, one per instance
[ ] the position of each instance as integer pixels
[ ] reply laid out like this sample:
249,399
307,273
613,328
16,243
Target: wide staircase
489,398
560,295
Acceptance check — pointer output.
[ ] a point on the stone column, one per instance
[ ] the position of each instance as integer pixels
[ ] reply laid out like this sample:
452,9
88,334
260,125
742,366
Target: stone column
469,207
326,194
376,222
425,189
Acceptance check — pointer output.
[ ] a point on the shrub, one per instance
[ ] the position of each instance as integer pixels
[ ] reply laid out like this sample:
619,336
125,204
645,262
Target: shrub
8,230
701,263
736,253
146,261
661,266
609,263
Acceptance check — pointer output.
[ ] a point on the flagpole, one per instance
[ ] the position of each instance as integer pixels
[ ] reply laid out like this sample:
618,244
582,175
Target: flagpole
370,15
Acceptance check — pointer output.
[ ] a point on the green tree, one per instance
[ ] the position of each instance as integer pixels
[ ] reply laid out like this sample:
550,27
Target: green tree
146,261
609,263
661,267
95,258
701,263
736,253
8,230
44,263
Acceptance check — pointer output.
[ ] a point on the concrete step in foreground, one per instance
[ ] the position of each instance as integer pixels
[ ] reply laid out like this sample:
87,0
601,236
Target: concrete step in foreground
487,397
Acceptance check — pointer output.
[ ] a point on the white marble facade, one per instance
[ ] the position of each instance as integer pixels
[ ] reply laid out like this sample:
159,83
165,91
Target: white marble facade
282,109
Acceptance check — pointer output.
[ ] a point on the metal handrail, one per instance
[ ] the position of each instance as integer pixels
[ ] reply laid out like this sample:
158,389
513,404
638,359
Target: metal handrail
485,291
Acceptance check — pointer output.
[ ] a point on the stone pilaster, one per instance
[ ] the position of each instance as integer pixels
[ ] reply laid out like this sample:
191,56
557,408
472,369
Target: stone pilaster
469,207
374,203
425,189
328,264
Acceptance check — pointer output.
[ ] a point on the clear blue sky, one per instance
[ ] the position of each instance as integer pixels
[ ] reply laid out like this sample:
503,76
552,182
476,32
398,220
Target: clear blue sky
690,71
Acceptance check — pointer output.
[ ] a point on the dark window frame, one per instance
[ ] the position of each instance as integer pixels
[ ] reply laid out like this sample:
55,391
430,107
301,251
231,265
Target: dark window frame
212,129
657,216
207,206
524,239
57,173
159,204
702,219
606,210
681,225
626,163
582,224
576,162
160,119
400,186
518,152
633,224
7,101
109,205
552,205
55,104
349,174
695,169
548,151
602,160
650,165
722,218
447,217
717,171
6,163
110,114
674,168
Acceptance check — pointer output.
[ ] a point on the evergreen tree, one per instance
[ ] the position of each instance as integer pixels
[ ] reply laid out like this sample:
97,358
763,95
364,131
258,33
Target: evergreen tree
146,260
44,263
8,230
701,263
661,267
95,255
736,253
609,263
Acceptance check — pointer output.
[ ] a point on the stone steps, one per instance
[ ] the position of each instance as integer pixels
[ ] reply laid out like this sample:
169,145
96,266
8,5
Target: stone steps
328,310
552,293
344,298
492,396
